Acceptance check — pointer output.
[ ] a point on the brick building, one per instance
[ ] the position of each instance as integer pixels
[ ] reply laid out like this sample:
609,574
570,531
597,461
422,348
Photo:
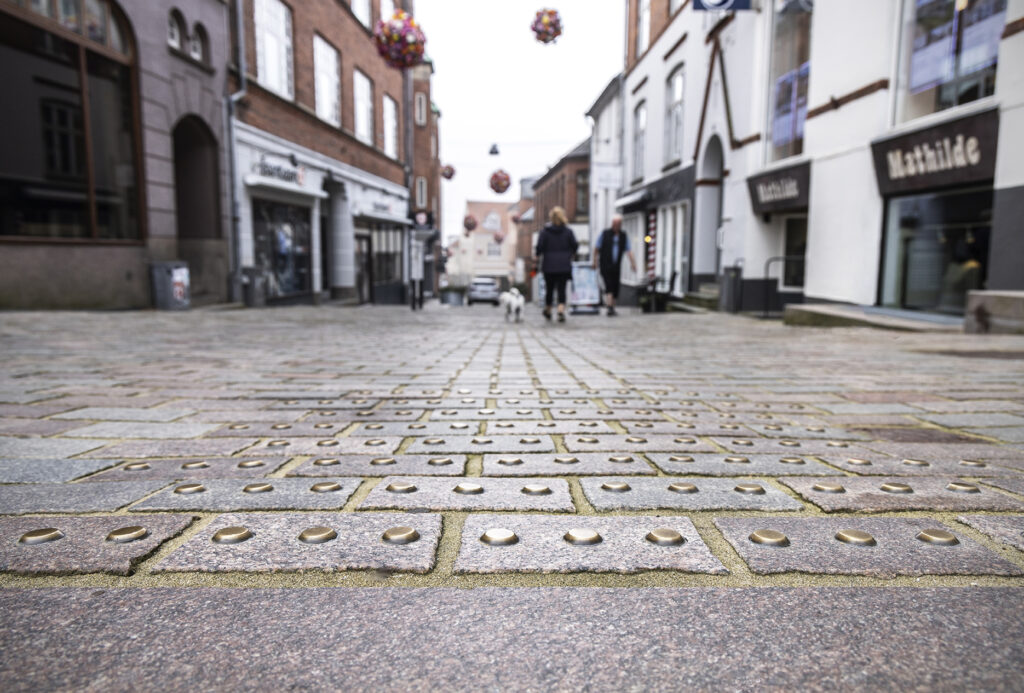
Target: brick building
426,171
566,185
489,250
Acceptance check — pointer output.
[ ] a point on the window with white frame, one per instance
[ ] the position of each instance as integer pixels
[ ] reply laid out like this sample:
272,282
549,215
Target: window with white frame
674,116
387,9
639,131
420,108
949,54
674,5
790,74
198,44
274,47
643,27
433,146
390,127
421,191
361,9
363,89
327,71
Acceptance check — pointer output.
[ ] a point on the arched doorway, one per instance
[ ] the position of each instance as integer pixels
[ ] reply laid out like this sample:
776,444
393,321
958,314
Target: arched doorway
197,208
708,216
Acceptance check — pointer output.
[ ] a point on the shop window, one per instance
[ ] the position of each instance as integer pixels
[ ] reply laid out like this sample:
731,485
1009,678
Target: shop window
639,131
390,127
364,107
790,72
674,116
936,248
643,27
949,54
493,249
282,245
582,192
274,66
198,45
327,69
387,255
361,9
72,171
175,30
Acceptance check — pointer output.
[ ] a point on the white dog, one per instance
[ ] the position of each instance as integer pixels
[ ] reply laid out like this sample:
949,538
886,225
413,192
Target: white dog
513,302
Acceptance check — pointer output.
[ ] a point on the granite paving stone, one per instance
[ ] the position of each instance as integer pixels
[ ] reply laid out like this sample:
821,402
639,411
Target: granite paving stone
598,414
1014,434
767,407
1008,529
976,405
975,420
688,428
486,414
607,494
291,429
35,427
820,431
434,493
22,499
436,403
31,411
733,464
637,442
325,403
275,545
876,464
535,428
328,445
566,464
416,428
193,447
542,548
157,414
247,416
1013,484
1007,456
134,429
46,447
61,638
25,470
869,408
190,468
791,446
865,494
481,444
227,495
382,465
814,548
84,546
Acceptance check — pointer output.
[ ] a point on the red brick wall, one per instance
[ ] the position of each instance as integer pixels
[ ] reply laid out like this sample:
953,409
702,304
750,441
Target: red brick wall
660,20
297,120
425,164
558,189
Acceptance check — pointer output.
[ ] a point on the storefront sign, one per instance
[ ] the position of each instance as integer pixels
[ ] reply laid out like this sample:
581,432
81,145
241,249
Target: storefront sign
955,153
782,190
721,4
289,175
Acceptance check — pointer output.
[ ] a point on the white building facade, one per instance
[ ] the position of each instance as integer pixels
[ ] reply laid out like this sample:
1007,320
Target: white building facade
856,151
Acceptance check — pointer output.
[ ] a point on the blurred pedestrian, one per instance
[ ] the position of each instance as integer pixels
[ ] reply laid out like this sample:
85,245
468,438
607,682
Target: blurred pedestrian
556,248
611,246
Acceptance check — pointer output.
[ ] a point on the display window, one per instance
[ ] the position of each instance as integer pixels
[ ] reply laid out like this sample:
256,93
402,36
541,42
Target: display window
282,236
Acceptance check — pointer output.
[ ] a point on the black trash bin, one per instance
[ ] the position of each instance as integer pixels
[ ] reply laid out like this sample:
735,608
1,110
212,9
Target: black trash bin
254,287
730,289
171,285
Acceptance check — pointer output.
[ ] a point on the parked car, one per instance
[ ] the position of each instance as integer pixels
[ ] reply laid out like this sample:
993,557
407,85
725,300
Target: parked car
483,289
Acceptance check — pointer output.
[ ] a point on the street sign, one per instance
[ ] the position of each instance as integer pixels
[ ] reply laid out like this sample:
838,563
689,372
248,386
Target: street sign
721,4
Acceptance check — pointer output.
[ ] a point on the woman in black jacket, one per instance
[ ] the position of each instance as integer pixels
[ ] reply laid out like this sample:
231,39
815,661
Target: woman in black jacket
556,248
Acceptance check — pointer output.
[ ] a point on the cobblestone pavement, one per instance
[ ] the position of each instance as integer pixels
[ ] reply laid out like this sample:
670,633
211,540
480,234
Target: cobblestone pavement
665,501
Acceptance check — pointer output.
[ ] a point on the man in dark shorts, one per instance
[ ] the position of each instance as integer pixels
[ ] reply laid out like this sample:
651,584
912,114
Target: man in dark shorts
611,246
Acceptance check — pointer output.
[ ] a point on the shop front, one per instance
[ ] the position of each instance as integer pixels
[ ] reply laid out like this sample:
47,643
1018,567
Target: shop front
780,197
938,189
382,243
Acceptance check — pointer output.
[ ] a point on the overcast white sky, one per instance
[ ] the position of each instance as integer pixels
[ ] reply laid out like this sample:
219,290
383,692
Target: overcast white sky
495,83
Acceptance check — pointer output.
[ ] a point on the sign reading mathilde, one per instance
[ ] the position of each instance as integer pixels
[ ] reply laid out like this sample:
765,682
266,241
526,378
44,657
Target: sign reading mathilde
721,4
782,190
954,153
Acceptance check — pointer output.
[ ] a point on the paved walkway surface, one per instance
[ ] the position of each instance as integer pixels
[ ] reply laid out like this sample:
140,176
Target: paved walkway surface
374,499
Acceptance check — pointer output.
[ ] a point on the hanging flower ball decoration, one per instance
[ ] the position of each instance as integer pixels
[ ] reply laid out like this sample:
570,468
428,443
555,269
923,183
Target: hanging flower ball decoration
447,172
516,218
400,41
500,181
469,223
499,237
547,26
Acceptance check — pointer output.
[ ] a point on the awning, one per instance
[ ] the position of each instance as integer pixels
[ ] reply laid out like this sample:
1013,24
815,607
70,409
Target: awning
633,200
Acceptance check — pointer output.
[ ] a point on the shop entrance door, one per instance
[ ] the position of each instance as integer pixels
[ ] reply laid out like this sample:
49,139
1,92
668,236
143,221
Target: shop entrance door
364,269
282,246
